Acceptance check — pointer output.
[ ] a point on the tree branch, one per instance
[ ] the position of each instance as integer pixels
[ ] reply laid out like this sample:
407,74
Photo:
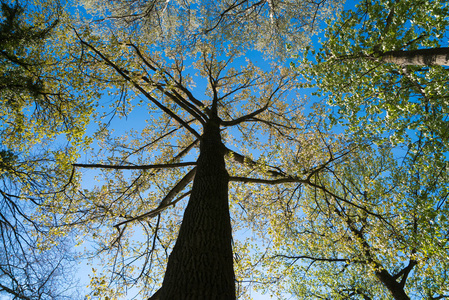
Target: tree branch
192,109
419,57
260,110
246,161
142,167
13,292
166,202
124,74
267,181
154,212
314,258
405,272
246,117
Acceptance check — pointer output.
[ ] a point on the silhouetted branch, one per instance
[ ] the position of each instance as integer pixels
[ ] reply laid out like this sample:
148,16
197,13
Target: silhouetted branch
142,167
166,202
124,74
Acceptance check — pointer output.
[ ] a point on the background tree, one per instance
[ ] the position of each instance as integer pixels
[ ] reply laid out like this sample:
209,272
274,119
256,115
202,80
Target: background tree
42,121
379,66
155,61
376,230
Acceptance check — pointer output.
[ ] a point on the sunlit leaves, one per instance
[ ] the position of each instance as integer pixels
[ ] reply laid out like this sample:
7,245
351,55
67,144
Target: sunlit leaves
46,105
270,26
370,216
379,99
402,107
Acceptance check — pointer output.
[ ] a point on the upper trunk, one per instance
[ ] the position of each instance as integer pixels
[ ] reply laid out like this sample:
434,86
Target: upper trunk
420,57
201,263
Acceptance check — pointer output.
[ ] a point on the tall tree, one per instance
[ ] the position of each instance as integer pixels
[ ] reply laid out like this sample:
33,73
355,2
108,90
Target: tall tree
39,105
381,66
157,52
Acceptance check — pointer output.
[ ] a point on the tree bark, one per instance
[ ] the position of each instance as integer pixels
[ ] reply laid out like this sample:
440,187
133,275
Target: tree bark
420,57
395,288
201,263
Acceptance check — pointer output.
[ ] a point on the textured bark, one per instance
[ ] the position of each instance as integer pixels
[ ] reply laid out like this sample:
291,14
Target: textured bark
421,57
201,263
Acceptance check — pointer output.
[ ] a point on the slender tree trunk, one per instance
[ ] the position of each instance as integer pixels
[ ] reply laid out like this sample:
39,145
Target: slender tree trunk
201,263
421,57
395,288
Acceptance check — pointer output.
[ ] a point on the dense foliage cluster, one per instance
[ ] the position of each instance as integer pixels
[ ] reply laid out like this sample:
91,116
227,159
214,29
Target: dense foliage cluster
45,108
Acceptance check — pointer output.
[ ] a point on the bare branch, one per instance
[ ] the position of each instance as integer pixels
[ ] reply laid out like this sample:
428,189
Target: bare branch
17,295
154,212
246,161
321,167
405,272
166,202
419,57
124,74
260,110
185,151
292,179
159,138
314,258
178,187
142,167
246,117
267,181
188,106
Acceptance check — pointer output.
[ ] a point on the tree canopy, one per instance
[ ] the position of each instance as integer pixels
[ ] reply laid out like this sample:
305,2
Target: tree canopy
206,171
380,229
42,119
209,102
363,69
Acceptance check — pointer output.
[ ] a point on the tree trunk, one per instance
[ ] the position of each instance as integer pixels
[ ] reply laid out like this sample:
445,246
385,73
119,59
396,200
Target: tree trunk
395,288
201,263
421,57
